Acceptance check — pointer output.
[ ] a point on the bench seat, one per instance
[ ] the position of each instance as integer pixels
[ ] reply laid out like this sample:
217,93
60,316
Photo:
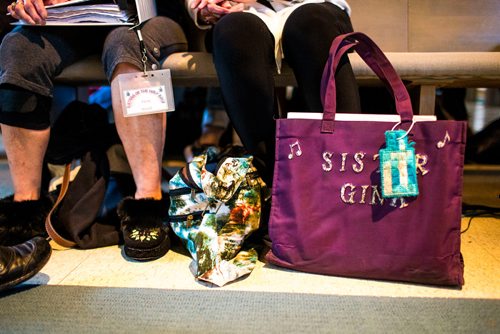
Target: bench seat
440,69
422,71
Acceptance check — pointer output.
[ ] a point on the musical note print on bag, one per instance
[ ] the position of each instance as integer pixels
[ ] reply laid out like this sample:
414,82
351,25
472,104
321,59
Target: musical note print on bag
298,150
442,143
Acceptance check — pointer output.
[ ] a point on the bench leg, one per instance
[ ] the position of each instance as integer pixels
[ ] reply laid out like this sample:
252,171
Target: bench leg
424,100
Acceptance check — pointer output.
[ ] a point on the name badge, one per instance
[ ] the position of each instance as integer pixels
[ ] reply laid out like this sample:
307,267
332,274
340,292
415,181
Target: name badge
143,94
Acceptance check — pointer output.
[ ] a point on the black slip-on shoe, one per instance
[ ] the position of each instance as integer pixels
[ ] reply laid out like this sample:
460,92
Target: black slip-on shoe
144,234
21,262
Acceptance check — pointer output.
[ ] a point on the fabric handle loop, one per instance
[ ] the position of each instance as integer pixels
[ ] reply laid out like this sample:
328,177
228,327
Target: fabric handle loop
57,240
374,57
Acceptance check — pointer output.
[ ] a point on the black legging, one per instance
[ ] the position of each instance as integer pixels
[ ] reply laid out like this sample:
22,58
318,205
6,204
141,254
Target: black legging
243,50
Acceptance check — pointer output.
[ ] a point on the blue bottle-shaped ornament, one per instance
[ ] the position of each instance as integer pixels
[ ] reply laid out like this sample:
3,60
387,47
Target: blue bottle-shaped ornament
398,168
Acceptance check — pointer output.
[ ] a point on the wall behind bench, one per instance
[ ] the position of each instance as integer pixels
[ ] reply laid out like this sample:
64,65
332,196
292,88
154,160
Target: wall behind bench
429,25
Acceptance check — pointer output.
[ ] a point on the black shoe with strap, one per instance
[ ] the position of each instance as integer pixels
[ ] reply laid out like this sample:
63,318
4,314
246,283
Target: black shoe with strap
21,262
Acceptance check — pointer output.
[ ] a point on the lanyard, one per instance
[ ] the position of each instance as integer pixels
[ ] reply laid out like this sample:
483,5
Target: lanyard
142,47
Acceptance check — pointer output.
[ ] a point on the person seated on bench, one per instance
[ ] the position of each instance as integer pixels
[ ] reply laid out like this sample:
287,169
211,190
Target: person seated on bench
30,59
248,38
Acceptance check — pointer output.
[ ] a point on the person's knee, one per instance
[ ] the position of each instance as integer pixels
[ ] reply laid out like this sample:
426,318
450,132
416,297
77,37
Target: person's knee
316,20
158,32
25,48
165,32
161,35
238,28
24,109
242,37
16,44
26,60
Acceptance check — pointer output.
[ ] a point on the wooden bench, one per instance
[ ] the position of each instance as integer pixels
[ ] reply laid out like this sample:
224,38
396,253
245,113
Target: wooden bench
432,44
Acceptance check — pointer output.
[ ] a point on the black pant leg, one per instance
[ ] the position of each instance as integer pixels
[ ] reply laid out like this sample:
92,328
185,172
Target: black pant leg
307,37
243,50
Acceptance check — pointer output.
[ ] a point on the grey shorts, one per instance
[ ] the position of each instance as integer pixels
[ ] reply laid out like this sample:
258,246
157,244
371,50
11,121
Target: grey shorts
161,35
31,57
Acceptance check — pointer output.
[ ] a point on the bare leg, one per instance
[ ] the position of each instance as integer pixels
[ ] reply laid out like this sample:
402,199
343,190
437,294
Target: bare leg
25,152
143,138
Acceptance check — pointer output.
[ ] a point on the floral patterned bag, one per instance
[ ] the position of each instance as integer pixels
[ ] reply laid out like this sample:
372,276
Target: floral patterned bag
215,204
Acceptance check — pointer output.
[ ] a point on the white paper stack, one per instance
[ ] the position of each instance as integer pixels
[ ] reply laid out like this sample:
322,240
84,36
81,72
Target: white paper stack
98,12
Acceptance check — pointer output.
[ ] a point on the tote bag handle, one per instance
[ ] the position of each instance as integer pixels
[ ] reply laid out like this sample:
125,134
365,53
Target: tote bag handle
376,60
58,241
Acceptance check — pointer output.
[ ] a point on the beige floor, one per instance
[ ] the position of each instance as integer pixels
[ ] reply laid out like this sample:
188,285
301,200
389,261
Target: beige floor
106,267
480,248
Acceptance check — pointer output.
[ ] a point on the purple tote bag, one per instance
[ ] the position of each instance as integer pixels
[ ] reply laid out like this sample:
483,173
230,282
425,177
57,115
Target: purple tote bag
328,215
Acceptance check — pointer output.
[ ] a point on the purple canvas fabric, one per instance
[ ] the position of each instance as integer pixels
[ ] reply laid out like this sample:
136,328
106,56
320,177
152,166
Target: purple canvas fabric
328,215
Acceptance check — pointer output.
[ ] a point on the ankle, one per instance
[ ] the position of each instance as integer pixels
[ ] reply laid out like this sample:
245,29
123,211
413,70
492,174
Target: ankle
26,196
148,195
211,135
